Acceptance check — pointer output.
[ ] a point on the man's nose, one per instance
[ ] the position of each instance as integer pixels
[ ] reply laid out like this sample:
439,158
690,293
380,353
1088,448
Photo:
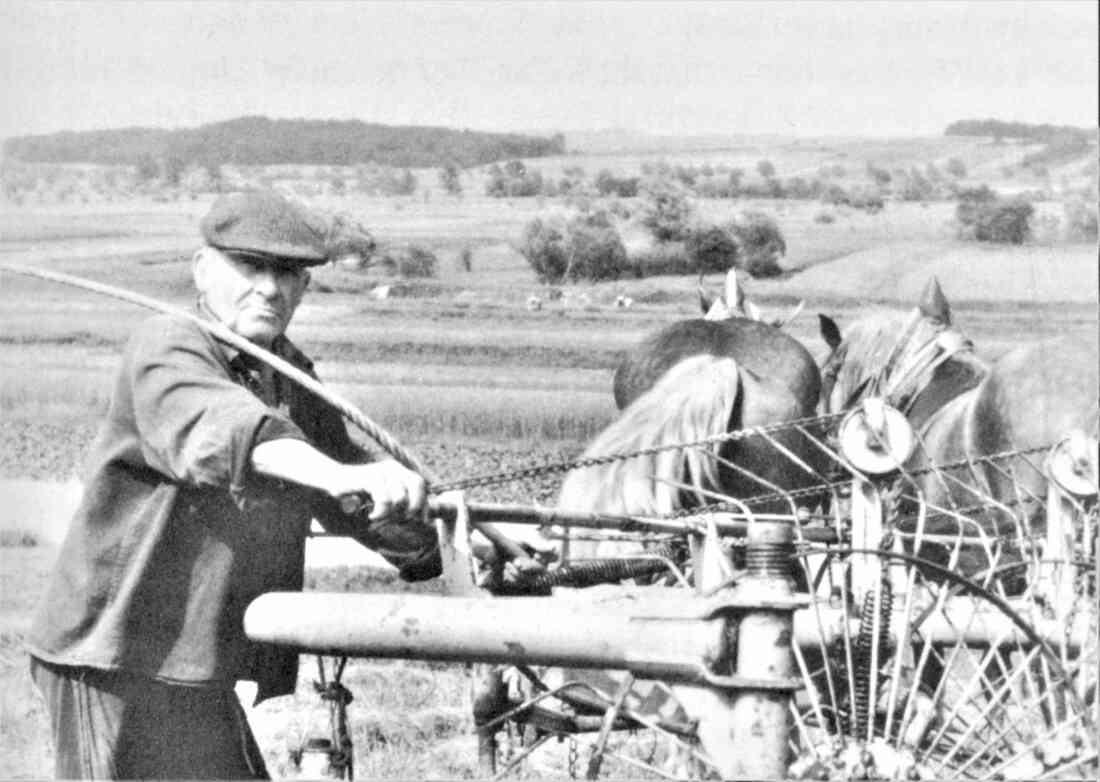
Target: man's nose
266,281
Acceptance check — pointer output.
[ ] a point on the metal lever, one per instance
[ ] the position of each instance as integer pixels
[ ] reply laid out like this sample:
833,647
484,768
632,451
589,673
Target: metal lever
355,502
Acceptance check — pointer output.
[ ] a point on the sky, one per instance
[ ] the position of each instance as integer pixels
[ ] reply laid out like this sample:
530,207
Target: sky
798,68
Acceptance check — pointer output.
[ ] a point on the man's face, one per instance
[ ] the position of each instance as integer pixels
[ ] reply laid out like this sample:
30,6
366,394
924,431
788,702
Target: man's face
254,299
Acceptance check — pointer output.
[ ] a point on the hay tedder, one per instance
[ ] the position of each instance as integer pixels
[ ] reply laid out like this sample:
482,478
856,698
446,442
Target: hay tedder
859,632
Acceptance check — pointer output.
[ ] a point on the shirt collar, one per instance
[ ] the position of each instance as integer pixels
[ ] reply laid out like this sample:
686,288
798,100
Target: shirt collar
281,347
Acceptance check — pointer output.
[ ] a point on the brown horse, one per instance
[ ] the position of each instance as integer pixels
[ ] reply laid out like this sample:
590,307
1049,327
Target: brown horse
692,380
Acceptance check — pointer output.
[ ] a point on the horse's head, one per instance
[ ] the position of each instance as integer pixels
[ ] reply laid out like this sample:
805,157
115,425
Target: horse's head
888,354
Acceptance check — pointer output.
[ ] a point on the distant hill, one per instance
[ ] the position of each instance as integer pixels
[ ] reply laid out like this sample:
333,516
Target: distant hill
1021,130
264,141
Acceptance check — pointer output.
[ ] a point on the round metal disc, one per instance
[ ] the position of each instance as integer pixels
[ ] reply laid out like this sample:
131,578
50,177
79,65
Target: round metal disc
876,453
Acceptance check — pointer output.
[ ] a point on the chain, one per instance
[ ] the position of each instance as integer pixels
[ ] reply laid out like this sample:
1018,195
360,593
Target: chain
535,471
817,490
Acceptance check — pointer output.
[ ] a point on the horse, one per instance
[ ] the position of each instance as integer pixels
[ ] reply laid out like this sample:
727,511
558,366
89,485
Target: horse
692,380
696,379
987,420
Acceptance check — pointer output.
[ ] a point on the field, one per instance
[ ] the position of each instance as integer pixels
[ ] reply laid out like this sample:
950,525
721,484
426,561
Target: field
457,368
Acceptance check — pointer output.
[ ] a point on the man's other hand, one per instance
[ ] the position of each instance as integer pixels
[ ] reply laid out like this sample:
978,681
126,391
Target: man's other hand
395,491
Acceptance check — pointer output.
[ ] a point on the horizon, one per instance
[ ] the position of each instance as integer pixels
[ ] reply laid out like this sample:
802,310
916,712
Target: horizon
791,70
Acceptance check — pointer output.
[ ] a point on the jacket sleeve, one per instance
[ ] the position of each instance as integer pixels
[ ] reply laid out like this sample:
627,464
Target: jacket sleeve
194,423
410,546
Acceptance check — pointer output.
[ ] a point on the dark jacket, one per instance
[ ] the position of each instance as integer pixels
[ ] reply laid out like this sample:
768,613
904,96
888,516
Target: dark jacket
176,535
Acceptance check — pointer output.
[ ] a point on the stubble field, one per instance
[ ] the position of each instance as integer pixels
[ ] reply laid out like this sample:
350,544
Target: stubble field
459,370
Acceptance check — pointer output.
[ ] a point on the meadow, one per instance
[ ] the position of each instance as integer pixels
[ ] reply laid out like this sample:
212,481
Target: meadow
459,368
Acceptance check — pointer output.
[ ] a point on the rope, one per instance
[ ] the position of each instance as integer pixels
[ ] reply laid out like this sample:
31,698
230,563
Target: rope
220,332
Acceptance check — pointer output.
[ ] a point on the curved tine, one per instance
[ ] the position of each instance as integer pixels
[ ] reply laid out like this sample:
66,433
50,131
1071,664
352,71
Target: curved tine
978,685
818,475
789,454
995,702
774,488
750,517
522,756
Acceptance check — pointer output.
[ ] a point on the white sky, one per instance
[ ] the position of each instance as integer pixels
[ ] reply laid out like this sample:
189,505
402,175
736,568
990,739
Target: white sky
803,68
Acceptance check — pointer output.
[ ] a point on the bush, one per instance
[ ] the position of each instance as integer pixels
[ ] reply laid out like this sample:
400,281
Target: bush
825,218
711,248
609,184
670,258
666,211
985,217
585,247
348,237
466,259
761,243
410,261
514,180
956,168
1081,221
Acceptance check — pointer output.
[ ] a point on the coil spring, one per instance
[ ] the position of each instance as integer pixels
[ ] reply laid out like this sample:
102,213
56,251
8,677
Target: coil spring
768,559
863,711
599,571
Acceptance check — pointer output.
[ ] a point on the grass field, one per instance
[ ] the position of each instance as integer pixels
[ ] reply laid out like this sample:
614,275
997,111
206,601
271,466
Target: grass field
461,369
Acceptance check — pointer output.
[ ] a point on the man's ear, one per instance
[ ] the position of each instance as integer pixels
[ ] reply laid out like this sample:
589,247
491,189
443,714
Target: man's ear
200,263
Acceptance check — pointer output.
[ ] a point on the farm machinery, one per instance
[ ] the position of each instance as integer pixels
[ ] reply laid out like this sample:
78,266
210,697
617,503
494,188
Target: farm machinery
861,632
852,628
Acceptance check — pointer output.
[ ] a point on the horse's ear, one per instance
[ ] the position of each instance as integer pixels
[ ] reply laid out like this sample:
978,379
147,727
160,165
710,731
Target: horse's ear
735,296
933,304
705,302
830,332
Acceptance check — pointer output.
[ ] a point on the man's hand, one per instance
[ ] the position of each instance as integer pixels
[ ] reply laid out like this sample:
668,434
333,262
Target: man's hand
394,490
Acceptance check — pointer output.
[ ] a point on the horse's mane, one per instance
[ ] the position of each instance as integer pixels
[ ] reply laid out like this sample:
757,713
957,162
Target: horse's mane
693,400
888,353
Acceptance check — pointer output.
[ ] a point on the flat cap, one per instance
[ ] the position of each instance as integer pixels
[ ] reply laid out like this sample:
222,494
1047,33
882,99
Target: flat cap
264,224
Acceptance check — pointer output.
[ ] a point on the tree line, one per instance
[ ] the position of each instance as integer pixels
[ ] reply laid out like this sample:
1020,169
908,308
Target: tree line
1021,130
262,141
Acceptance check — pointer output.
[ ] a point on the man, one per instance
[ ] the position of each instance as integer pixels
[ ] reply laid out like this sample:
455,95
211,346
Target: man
198,497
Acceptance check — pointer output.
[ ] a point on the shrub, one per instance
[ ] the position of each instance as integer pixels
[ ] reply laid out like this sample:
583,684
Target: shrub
450,179
985,217
466,259
880,176
348,237
825,218
584,247
670,258
514,180
410,261
766,169
955,167
761,243
609,184
666,211
595,247
1080,221
711,248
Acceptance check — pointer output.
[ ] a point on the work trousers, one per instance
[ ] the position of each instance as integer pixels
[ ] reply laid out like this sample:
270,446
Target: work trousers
117,725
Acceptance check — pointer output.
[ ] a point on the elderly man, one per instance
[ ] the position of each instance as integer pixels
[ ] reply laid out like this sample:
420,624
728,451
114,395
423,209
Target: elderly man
198,497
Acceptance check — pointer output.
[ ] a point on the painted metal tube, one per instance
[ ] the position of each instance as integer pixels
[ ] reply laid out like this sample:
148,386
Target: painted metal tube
960,621
665,639
760,719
